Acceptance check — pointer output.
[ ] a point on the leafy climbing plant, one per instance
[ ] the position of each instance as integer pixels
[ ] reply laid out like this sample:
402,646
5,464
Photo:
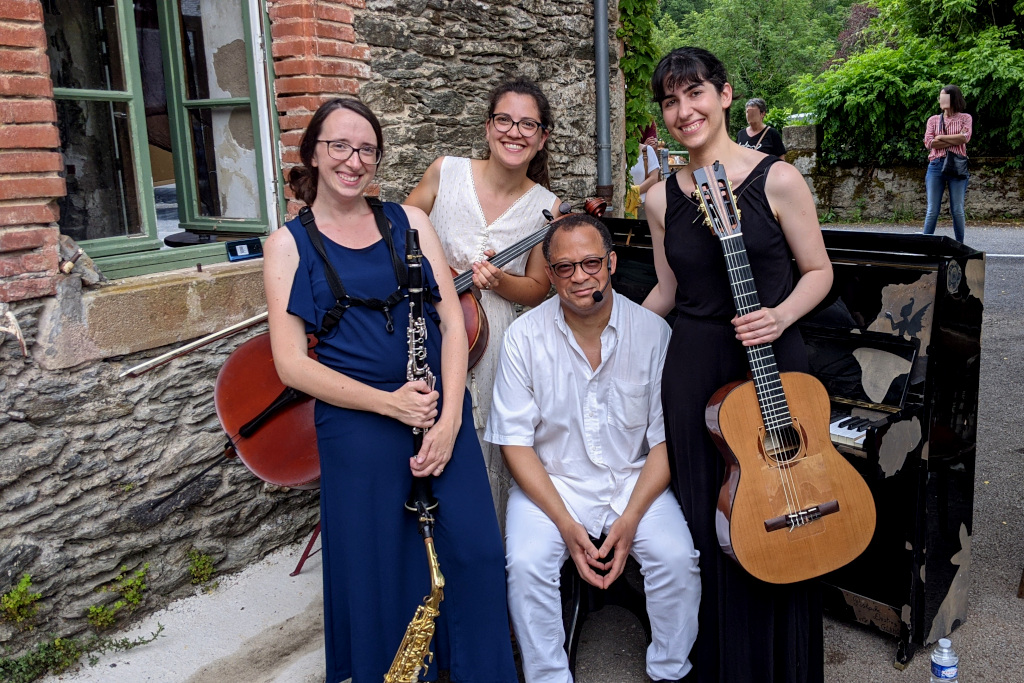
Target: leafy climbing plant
640,56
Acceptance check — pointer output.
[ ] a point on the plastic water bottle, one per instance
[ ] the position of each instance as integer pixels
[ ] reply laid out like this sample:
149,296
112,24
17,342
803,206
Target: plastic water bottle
944,663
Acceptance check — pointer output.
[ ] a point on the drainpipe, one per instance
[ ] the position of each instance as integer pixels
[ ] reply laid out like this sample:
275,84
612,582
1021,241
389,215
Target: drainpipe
604,143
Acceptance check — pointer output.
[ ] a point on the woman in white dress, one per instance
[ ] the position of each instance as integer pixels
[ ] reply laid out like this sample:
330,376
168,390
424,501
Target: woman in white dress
482,206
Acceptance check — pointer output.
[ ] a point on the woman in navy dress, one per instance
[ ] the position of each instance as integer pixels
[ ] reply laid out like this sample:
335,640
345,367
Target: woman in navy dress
748,630
374,563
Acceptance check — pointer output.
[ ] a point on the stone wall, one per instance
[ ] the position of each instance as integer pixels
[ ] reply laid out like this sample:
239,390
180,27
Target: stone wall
434,62
84,454
897,193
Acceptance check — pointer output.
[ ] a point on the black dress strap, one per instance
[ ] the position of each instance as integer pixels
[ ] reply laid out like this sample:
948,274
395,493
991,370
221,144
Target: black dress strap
342,300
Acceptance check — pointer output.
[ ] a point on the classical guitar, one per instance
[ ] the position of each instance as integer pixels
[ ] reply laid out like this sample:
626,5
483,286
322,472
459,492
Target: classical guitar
791,508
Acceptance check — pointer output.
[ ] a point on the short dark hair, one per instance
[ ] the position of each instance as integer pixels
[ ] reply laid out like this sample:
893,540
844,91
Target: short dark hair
757,102
303,179
956,98
538,168
688,66
570,223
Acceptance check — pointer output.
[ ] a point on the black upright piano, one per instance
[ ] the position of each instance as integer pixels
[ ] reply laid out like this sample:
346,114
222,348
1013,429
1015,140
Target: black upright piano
897,343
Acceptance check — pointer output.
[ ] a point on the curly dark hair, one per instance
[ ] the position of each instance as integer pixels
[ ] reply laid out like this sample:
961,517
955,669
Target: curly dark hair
538,169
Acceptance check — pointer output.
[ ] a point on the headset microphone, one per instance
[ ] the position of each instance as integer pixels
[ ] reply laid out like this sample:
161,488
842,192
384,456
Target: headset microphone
598,296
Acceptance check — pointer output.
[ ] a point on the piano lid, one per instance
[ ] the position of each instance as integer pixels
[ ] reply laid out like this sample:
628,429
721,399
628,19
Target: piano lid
861,368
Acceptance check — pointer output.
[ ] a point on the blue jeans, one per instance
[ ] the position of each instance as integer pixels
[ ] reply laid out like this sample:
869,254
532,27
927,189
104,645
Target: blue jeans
935,184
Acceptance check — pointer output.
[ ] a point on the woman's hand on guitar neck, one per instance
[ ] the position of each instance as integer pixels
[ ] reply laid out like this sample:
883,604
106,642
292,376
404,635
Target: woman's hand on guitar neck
413,404
762,326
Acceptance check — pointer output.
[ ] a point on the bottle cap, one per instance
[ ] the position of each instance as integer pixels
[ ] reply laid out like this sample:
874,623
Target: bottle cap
945,642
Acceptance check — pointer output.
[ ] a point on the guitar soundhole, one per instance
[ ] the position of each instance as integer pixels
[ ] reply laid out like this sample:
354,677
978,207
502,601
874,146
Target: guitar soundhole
782,445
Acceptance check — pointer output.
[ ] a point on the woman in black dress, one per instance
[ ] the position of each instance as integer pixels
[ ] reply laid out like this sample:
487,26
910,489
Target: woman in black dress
749,630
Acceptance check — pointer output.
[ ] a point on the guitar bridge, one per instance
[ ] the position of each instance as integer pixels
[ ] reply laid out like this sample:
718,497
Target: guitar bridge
801,517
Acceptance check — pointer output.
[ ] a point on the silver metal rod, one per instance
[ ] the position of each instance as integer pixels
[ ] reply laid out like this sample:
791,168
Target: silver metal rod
208,339
602,88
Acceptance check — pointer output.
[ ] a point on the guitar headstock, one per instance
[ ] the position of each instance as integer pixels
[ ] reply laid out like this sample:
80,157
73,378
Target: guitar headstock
716,200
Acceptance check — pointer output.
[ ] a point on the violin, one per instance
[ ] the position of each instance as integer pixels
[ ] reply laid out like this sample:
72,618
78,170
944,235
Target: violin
477,328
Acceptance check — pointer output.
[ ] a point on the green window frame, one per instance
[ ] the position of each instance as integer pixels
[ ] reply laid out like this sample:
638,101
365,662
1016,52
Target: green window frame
123,256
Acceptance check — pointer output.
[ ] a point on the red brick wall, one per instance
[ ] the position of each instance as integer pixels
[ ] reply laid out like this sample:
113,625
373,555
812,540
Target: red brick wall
316,58
29,164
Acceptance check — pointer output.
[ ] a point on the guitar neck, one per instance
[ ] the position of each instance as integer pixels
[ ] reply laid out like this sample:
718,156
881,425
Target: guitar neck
463,281
770,395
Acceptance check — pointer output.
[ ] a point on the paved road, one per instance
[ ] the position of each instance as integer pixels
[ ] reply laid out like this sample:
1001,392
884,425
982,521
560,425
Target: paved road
991,643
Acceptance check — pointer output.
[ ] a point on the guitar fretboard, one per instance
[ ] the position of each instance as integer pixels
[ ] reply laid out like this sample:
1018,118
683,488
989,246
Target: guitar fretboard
770,395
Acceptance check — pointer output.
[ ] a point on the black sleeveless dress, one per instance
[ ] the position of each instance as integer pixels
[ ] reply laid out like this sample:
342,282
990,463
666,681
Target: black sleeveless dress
748,630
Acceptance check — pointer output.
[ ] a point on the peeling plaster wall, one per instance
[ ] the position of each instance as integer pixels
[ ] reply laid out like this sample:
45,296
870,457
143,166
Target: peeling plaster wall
233,136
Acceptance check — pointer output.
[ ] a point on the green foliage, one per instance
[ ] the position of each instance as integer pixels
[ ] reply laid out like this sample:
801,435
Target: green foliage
200,567
764,44
639,58
103,616
902,213
130,586
58,655
778,117
874,105
828,217
18,605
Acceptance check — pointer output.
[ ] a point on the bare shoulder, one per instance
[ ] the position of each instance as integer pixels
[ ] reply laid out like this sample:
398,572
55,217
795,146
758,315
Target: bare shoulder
281,242
417,217
784,180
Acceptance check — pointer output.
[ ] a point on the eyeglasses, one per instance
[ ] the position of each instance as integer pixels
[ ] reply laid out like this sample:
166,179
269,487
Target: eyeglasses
590,265
527,127
342,151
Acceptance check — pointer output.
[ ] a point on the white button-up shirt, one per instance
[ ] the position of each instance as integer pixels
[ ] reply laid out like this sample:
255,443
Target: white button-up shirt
590,428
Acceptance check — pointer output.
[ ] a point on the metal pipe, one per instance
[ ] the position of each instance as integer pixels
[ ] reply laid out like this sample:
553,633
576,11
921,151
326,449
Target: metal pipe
601,83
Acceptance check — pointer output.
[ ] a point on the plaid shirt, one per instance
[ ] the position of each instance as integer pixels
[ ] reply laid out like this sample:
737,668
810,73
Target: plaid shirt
957,124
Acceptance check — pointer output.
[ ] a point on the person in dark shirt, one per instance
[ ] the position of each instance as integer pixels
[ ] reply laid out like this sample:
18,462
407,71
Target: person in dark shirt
759,135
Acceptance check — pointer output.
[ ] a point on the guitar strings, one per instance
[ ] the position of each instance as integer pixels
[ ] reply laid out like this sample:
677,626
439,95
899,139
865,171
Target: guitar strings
774,412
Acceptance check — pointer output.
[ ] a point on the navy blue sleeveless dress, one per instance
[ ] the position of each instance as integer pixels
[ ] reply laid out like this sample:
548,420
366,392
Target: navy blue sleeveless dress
374,562
748,630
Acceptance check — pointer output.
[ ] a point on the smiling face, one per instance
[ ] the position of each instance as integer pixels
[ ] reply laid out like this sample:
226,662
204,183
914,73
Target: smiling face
577,291
695,113
349,178
512,148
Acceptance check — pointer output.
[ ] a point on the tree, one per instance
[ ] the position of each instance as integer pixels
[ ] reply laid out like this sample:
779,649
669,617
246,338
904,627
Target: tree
873,105
765,44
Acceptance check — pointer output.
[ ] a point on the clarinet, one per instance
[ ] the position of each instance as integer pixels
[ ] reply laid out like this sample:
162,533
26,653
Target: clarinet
414,653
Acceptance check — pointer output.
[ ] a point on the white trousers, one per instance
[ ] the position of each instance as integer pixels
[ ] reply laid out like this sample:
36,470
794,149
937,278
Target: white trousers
534,556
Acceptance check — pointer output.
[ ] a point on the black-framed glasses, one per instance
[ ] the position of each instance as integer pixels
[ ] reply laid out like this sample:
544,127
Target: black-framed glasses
342,151
590,265
527,127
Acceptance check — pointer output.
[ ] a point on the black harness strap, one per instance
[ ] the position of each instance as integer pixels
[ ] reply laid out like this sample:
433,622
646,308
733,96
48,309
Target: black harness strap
342,300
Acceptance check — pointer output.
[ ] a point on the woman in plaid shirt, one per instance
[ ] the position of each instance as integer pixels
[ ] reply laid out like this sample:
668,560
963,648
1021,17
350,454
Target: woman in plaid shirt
946,132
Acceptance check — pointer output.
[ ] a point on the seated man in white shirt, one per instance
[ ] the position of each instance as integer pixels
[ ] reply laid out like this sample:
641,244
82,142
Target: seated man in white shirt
577,399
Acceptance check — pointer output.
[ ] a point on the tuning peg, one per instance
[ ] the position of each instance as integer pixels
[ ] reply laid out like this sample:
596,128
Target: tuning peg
547,214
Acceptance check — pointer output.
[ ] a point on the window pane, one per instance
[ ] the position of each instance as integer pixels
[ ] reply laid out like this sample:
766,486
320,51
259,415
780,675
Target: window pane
83,44
213,49
100,173
225,162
